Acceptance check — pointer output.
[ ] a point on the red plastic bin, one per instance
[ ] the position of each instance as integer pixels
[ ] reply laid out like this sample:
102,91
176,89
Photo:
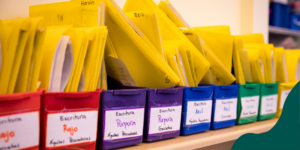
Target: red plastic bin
69,120
20,120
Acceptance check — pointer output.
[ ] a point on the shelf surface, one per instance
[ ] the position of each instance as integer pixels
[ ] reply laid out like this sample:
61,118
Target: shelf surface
208,138
283,31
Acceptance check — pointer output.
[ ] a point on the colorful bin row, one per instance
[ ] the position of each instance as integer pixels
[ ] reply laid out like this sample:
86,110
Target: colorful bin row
130,115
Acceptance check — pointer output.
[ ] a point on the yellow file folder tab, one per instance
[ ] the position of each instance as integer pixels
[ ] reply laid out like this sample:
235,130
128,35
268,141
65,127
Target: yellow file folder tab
167,7
141,58
221,45
170,32
31,61
257,66
147,22
266,55
254,38
293,64
216,29
17,35
280,65
57,59
218,73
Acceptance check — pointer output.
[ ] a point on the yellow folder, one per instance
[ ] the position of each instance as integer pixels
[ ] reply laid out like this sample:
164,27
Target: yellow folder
57,62
254,38
237,62
17,34
293,64
147,22
216,29
257,66
266,55
170,31
31,61
280,65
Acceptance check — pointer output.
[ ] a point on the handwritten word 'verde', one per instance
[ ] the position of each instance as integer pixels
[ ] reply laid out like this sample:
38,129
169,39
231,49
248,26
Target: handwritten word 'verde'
71,130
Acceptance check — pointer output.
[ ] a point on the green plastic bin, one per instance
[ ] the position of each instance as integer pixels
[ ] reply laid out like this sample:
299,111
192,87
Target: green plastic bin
248,103
268,101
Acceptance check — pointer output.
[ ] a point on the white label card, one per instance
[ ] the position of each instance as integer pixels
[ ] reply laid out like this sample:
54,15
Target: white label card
225,109
125,123
249,106
165,119
283,97
71,128
19,131
268,104
198,112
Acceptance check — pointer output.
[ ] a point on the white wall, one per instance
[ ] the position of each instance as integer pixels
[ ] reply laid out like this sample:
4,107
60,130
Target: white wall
195,12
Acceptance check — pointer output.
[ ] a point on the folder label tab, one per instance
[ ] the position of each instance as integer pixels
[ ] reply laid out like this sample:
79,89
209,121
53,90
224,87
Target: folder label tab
164,119
198,112
249,106
13,129
124,123
225,109
268,104
71,128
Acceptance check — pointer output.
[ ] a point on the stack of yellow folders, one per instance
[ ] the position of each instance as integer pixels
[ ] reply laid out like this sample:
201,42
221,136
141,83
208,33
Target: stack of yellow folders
215,43
21,54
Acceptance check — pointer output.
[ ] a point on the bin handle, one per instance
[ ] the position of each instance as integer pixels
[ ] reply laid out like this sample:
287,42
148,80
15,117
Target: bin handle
249,86
296,22
15,97
167,91
200,89
227,87
74,95
126,92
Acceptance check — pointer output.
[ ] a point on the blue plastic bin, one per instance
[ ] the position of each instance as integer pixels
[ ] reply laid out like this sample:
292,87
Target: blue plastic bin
295,22
280,15
224,109
196,110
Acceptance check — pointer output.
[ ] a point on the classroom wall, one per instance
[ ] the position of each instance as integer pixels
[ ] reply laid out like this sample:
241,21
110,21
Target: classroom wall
195,12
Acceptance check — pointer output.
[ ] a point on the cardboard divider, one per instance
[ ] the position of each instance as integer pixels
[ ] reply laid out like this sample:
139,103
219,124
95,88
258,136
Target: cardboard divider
69,120
121,119
248,103
284,90
268,101
163,113
197,109
20,120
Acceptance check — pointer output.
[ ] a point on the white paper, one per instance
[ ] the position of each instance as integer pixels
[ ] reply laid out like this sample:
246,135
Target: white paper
225,109
164,119
20,131
183,70
198,112
297,77
125,123
268,104
285,68
272,67
71,128
249,106
283,97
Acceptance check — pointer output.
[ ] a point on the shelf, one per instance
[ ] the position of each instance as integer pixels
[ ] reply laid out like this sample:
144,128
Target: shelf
283,31
208,138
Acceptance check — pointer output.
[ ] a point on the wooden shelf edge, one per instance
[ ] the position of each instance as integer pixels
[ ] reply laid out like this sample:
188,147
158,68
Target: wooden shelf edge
208,138
283,31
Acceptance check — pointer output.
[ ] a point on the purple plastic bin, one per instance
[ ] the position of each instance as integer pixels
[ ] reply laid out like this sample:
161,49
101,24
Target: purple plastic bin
121,119
163,113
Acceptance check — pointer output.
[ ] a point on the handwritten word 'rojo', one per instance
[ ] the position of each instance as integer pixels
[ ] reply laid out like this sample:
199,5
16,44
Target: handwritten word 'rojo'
6,135
71,130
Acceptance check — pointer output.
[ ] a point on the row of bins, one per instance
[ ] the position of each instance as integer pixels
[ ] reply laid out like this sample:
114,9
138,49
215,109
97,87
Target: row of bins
130,115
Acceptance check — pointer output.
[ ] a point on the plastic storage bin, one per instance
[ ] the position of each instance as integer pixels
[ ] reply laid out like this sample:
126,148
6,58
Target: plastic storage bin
224,111
295,22
268,101
19,120
163,113
284,90
197,109
69,120
280,15
121,117
248,103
